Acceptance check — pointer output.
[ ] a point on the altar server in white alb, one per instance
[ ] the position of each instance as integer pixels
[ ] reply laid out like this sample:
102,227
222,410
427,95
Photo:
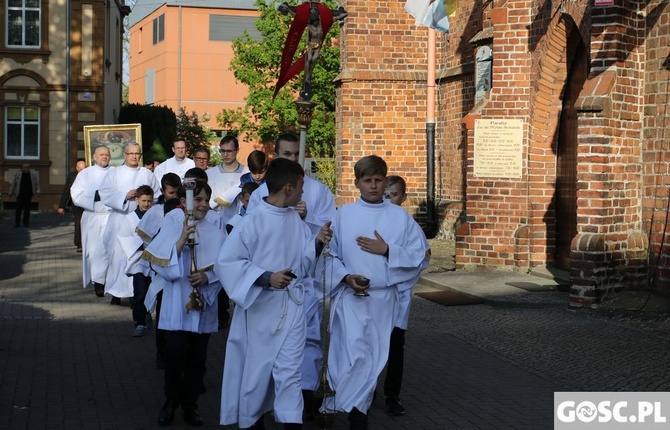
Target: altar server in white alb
316,207
262,265
225,177
118,191
177,164
84,193
186,334
377,240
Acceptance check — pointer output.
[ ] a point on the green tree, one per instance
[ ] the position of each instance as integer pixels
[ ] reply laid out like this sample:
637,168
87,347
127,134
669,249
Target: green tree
193,129
158,123
256,64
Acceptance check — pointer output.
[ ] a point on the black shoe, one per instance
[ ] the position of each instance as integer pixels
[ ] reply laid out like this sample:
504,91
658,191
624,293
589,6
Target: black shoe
258,425
394,407
166,415
160,361
99,289
115,301
358,420
192,418
292,426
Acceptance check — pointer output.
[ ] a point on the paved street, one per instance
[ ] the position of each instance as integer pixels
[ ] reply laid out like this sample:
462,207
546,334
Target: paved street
68,361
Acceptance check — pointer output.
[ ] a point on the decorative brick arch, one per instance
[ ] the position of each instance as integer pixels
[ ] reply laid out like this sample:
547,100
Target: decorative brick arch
24,72
552,65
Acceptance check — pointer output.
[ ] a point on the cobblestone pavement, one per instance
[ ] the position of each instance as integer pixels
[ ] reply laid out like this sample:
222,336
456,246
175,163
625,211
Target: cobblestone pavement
68,360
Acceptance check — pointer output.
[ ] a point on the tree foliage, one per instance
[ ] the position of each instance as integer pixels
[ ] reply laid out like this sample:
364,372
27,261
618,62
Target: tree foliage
158,122
256,64
192,129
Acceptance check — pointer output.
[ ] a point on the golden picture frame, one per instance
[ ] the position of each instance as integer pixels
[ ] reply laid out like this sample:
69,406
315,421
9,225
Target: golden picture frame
115,137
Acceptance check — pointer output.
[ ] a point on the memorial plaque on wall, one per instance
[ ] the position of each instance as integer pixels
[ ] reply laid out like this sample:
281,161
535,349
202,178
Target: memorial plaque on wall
498,148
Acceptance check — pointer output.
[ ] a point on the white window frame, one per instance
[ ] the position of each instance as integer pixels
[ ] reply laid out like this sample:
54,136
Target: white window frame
22,123
23,9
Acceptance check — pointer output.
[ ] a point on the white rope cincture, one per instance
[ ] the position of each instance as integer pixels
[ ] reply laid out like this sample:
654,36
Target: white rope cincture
298,300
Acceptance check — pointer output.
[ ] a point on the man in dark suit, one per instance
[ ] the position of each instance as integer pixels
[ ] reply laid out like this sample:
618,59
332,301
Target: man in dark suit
25,185
66,200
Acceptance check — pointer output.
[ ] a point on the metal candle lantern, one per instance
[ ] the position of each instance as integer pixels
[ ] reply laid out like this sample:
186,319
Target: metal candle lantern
195,301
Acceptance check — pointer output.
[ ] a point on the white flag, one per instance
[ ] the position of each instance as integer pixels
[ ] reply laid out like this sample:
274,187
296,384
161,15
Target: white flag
419,9
429,15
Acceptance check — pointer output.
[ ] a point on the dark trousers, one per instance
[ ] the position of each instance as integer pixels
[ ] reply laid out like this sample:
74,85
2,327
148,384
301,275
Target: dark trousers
160,334
140,286
77,212
394,367
185,363
23,205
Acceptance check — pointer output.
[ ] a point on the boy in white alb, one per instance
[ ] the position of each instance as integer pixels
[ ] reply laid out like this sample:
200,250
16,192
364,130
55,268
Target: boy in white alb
396,193
377,247
261,266
132,246
186,333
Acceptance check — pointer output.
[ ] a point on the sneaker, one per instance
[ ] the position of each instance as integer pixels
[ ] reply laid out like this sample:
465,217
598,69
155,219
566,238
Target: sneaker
394,407
139,330
149,322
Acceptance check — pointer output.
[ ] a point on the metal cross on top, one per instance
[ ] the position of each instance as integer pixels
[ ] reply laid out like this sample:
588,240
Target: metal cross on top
318,19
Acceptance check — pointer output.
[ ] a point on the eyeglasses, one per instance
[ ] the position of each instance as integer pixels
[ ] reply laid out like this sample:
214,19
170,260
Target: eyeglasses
227,151
137,154
201,158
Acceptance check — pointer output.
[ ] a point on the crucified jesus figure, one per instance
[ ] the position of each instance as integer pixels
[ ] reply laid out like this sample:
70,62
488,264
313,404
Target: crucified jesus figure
315,38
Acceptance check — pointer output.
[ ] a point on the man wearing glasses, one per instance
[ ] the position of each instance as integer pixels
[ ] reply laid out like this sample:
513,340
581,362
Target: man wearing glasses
118,191
226,175
201,157
178,164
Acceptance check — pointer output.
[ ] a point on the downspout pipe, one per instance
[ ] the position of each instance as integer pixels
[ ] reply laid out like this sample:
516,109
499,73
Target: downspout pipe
68,38
431,218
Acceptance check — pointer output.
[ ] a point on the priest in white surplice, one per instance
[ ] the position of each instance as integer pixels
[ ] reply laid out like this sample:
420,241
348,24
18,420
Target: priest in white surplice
377,240
178,164
118,191
316,208
262,266
84,193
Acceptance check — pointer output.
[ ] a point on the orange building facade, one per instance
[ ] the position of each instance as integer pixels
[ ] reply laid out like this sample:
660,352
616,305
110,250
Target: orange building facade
180,56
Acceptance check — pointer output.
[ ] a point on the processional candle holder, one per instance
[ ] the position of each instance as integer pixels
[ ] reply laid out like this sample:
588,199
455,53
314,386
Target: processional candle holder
326,418
195,302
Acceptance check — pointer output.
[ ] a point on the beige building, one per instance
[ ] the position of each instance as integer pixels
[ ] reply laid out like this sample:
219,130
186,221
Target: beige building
60,69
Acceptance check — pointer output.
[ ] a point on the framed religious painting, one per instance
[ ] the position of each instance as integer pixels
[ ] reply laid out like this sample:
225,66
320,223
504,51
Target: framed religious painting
114,137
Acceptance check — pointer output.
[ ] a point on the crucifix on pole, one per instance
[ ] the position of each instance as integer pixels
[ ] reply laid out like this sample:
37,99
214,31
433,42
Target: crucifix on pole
317,19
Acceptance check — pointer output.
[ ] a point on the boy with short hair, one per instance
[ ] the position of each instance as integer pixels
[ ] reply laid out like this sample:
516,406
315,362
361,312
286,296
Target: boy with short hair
186,333
377,247
261,265
257,162
245,195
133,246
396,193
147,229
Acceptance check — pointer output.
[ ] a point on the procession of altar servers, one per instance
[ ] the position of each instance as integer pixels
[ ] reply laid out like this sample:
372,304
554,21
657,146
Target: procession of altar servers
273,354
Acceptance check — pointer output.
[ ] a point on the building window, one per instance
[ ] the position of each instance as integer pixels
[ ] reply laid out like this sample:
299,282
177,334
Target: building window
224,28
159,29
23,23
22,131
149,82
